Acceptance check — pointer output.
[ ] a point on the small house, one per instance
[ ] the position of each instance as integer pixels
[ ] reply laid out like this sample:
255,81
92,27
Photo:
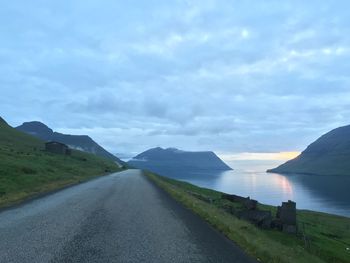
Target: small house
57,147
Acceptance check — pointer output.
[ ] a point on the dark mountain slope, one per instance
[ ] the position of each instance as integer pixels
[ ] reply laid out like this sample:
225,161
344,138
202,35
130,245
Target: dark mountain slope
26,169
163,161
2,121
329,155
78,142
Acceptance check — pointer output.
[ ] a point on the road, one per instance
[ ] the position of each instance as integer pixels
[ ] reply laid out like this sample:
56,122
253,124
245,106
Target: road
117,218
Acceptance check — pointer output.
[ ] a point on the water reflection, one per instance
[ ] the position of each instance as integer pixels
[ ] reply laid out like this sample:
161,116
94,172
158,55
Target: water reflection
321,193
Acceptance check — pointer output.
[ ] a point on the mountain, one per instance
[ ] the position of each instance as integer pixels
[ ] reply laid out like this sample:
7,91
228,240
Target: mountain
329,155
2,121
78,142
26,169
171,160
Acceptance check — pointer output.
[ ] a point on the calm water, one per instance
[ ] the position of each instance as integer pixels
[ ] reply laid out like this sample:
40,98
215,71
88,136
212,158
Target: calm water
329,194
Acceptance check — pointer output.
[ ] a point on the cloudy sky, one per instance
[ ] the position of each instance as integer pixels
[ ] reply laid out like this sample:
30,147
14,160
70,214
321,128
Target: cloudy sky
230,76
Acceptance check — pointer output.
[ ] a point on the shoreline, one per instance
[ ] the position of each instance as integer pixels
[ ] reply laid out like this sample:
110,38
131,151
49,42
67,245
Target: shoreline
321,237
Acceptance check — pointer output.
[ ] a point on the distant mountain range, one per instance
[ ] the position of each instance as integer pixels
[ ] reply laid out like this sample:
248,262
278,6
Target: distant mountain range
78,142
164,161
329,155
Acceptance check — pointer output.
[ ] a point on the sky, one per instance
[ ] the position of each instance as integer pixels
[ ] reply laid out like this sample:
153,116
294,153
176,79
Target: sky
236,77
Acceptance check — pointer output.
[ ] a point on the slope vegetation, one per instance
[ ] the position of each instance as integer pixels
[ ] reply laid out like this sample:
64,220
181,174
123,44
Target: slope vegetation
321,237
329,155
27,170
78,142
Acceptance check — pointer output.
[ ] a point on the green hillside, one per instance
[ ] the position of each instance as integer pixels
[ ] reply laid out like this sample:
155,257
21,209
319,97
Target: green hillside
27,170
78,142
321,237
329,155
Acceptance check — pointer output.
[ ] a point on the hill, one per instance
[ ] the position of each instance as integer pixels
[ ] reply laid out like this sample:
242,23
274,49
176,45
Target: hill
328,155
78,142
164,160
2,121
27,170
321,237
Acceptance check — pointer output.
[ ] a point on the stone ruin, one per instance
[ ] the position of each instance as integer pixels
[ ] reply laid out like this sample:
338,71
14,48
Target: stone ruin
257,217
285,217
285,220
250,212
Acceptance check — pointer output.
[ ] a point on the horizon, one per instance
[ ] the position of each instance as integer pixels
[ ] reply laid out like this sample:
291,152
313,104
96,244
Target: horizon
227,157
195,75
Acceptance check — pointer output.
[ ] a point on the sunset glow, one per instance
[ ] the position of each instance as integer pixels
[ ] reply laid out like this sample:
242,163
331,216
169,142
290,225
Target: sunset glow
286,187
259,156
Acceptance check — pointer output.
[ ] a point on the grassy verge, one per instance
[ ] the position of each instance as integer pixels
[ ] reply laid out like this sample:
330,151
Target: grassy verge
26,170
24,175
325,237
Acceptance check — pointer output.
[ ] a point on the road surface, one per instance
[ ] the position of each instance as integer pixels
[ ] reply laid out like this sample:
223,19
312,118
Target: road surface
117,218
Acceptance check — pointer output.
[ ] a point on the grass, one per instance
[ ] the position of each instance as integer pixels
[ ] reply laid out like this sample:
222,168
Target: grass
327,237
26,170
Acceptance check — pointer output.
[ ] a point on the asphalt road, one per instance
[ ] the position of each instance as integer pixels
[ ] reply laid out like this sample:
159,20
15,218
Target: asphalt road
117,218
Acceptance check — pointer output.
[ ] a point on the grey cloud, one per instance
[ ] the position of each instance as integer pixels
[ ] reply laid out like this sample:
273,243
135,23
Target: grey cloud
222,75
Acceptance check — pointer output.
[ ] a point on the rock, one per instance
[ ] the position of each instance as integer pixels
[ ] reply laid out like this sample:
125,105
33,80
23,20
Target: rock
290,229
286,218
229,209
257,217
250,204
277,223
235,198
278,213
287,213
267,222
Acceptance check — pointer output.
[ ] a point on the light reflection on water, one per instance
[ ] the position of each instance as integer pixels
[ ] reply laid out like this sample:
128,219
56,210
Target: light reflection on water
320,193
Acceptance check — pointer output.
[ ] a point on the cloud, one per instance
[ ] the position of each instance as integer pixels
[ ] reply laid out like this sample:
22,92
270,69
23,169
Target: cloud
232,76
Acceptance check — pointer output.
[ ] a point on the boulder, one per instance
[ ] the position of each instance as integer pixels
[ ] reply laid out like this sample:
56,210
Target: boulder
286,218
277,223
287,213
290,229
235,198
250,204
257,217
229,209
